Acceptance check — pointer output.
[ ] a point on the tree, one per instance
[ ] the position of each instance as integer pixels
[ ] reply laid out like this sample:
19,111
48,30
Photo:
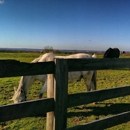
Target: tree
47,49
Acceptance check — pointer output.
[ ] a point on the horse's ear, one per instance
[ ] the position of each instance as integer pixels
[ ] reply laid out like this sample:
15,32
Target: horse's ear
15,89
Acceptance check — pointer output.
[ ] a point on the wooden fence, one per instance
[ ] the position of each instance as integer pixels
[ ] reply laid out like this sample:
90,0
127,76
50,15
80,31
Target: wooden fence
58,99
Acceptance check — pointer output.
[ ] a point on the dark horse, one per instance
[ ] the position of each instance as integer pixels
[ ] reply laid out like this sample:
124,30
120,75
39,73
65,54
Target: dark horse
112,53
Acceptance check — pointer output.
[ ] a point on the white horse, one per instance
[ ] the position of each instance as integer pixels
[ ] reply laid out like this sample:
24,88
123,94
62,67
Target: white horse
26,81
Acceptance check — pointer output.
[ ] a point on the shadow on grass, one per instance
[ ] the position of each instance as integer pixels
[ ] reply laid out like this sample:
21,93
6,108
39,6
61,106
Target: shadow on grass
104,109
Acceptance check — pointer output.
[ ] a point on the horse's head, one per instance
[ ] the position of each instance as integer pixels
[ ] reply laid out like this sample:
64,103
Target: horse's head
21,92
27,81
19,95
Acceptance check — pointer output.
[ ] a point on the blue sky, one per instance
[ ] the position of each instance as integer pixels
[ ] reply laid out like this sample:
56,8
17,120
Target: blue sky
65,24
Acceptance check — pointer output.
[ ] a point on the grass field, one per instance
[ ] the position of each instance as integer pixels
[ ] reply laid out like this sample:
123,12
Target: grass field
76,115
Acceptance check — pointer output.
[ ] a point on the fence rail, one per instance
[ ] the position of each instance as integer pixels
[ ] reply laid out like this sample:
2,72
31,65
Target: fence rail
31,109
104,123
98,95
60,101
10,68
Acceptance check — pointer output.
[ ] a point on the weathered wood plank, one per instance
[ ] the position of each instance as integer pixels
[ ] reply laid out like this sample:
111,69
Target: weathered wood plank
98,64
104,123
9,68
26,109
50,94
60,94
96,96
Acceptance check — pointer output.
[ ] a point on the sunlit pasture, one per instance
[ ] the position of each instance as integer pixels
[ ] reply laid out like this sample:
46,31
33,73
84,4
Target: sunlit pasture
76,115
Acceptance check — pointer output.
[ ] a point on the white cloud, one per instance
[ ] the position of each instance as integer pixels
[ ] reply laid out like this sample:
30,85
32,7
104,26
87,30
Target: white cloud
1,2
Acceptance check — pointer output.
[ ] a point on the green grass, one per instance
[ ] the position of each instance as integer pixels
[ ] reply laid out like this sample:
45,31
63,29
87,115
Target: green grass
76,115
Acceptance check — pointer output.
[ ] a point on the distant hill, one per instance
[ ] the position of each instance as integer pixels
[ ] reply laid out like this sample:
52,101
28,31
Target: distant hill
20,50
40,50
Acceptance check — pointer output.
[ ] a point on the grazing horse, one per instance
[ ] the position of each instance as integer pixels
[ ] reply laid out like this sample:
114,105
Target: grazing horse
112,53
26,81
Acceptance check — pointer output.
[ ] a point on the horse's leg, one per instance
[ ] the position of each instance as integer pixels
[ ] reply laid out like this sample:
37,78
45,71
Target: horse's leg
43,89
93,83
90,81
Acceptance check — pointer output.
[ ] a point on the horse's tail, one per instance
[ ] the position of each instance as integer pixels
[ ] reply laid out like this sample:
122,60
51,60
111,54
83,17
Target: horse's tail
94,56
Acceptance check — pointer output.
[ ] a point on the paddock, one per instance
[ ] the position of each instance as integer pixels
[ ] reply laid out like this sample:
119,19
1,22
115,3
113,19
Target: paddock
57,74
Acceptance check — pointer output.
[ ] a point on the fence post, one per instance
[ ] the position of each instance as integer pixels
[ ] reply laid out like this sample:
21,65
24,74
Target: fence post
50,94
60,94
